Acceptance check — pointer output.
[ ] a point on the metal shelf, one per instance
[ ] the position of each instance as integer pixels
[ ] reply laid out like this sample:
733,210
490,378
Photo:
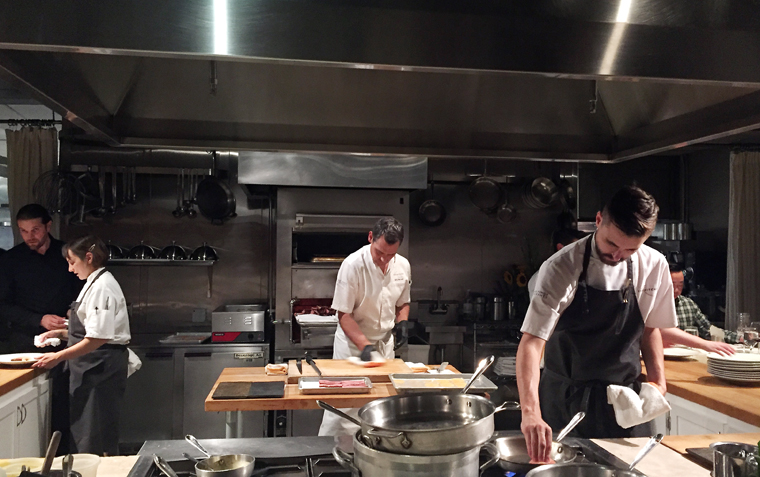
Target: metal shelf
154,262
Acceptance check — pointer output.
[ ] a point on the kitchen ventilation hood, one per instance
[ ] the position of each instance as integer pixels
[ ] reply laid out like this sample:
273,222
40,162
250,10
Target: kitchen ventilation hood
570,80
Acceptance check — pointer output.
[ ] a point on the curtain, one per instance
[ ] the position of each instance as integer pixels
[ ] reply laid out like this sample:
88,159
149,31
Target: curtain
31,152
743,238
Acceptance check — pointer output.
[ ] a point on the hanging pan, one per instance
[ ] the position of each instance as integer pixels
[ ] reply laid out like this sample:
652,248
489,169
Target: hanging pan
486,194
432,213
215,198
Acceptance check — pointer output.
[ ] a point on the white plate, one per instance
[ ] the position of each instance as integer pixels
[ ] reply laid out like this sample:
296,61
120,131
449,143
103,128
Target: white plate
19,359
739,380
679,353
743,358
376,361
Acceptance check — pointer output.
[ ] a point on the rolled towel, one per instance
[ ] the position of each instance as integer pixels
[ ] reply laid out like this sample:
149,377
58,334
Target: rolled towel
277,369
48,342
632,409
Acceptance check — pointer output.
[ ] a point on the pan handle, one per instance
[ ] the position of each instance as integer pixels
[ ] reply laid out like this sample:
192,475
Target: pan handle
380,433
484,364
340,413
508,405
163,466
194,442
495,455
346,461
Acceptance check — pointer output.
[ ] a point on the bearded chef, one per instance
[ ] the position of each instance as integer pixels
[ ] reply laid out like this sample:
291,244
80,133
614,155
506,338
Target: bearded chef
597,303
372,301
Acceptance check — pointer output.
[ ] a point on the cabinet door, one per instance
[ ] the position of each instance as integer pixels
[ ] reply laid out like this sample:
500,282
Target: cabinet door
32,431
688,418
10,415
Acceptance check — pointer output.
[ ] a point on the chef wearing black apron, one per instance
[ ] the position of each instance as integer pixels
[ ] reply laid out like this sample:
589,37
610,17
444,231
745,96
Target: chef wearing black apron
96,355
594,321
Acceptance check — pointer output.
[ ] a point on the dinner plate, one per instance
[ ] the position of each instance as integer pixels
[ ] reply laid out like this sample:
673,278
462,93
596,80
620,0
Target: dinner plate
739,358
19,359
679,353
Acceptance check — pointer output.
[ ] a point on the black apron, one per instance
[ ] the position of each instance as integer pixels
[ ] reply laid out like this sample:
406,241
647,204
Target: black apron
596,342
96,389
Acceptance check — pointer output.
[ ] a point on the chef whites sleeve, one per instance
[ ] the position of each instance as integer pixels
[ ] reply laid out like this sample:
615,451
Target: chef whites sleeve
554,291
100,322
659,286
405,296
346,288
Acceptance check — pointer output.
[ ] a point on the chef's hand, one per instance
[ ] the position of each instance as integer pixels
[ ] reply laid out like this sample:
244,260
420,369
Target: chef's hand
538,437
60,334
719,347
53,322
367,353
47,360
401,333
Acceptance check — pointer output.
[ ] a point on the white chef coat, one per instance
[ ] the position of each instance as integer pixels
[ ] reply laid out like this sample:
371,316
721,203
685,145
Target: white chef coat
103,309
371,297
557,282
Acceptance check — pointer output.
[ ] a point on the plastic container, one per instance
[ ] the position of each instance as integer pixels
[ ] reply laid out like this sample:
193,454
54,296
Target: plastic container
85,464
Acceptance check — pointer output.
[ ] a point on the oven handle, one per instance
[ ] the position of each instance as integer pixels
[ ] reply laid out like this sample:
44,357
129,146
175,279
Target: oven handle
290,321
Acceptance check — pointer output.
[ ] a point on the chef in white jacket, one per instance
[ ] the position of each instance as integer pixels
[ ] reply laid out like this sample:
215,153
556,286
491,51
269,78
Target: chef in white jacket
372,301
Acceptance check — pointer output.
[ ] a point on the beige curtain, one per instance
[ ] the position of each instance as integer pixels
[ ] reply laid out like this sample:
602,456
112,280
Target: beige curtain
31,152
742,289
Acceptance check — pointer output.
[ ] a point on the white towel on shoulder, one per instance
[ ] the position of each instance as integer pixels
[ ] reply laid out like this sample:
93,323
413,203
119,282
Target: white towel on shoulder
632,409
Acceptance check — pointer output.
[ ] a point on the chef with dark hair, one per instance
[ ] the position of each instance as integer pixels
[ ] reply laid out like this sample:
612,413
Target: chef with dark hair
598,302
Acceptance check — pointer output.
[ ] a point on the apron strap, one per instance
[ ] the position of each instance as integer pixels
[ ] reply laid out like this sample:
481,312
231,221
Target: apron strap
582,278
92,283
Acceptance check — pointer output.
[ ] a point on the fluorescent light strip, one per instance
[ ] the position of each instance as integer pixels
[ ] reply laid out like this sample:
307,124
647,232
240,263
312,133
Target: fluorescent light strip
220,27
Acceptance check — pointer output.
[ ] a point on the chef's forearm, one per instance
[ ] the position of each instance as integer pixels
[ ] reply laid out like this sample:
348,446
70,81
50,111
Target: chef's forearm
651,351
528,372
679,336
402,312
352,330
85,346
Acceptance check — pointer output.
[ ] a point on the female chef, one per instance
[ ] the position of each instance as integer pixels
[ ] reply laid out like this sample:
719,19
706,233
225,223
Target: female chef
96,353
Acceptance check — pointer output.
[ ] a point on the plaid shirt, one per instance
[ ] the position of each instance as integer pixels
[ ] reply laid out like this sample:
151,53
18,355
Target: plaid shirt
689,314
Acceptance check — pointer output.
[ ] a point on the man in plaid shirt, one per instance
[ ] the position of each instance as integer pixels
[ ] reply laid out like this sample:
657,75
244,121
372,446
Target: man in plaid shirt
689,314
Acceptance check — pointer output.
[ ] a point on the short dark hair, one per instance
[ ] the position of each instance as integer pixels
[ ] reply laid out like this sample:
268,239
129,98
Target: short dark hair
676,267
90,243
390,228
567,236
632,210
33,211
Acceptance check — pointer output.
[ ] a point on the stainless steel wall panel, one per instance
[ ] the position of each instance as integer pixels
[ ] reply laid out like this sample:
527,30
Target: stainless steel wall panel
313,282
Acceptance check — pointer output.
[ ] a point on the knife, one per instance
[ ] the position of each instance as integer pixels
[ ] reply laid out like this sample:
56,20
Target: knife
311,362
298,365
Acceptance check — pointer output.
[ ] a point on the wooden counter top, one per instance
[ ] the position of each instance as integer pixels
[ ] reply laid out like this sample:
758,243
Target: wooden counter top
691,381
681,443
292,399
11,378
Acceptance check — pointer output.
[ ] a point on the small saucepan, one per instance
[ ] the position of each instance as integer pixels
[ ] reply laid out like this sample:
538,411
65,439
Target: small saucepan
232,465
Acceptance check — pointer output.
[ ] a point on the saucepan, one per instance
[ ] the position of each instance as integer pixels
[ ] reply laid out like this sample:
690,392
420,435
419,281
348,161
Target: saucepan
427,423
575,469
513,451
232,465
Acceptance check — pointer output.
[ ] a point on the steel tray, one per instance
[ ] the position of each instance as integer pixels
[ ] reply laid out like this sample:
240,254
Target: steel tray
307,385
427,383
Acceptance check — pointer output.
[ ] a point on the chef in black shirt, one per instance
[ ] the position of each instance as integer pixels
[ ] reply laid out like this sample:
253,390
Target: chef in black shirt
36,287
36,290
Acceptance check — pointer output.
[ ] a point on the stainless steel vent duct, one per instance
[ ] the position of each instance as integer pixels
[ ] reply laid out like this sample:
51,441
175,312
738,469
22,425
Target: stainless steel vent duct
588,80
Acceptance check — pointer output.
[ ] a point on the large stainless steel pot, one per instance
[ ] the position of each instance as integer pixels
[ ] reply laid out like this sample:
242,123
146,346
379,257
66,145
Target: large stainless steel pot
231,465
368,462
733,459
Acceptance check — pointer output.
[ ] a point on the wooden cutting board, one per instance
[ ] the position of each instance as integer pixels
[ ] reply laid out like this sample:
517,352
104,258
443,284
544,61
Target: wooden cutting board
341,367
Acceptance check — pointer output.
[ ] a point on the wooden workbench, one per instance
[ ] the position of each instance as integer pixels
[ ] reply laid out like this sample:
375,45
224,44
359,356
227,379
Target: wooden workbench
292,398
691,381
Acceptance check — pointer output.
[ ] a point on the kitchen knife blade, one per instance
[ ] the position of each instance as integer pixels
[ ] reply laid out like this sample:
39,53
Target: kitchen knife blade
311,362
298,365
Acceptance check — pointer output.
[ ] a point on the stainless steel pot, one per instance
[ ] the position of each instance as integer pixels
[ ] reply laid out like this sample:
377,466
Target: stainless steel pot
733,459
368,462
232,465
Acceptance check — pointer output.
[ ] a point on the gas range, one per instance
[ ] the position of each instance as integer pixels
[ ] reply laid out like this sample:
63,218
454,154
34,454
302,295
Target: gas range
281,457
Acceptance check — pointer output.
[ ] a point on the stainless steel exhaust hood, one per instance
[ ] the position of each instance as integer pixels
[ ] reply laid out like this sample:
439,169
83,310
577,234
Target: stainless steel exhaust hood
580,80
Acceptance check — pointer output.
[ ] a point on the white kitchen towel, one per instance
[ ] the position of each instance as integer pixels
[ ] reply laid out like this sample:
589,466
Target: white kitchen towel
632,409
133,362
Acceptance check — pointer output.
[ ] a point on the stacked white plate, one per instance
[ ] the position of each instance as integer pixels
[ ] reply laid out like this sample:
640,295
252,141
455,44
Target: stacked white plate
505,366
740,367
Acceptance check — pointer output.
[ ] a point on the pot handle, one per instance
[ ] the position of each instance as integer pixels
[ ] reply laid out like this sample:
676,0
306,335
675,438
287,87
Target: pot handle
495,455
508,405
340,413
346,461
405,442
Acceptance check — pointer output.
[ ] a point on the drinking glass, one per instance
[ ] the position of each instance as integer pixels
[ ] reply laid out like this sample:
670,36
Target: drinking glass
692,330
747,334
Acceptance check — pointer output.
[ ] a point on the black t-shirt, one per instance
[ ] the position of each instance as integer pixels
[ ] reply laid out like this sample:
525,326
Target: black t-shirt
33,285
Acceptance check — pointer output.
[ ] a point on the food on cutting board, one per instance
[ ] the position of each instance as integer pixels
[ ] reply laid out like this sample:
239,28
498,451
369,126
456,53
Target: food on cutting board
433,383
348,383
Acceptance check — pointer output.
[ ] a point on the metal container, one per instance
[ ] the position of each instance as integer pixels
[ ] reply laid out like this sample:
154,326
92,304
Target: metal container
499,308
430,383
734,459
368,462
317,334
238,323
428,424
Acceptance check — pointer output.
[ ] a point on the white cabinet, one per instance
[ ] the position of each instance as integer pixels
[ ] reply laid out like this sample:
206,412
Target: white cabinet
25,419
687,417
